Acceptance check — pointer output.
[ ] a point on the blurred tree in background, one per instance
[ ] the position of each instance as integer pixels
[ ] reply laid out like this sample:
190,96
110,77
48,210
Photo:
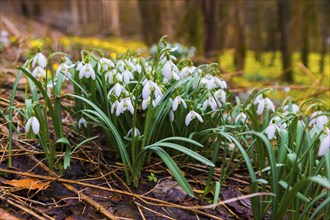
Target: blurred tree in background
212,26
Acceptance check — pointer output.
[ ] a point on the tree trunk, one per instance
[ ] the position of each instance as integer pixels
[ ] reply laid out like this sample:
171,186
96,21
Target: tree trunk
193,24
210,14
240,47
284,17
150,15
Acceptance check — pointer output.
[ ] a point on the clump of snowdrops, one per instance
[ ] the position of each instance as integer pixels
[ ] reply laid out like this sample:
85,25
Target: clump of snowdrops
160,106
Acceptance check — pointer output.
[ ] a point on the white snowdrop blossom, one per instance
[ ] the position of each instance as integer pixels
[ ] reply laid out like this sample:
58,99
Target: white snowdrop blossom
112,76
220,94
106,64
39,60
221,82
117,90
212,82
186,71
124,104
191,116
156,101
145,103
34,123
128,76
272,128
210,102
176,102
120,65
38,72
148,87
87,71
136,132
114,106
65,70
319,119
170,71
325,144
264,103
294,109
80,65
82,122
240,117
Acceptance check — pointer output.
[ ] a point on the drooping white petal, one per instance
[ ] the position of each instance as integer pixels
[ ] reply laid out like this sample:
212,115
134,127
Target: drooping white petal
82,71
40,60
270,104
146,90
270,131
324,146
188,118
167,70
35,125
261,106
28,125
114,106
199,117
175,103
145,103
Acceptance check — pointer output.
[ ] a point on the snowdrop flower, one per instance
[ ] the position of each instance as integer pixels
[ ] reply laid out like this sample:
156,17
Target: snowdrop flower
114,106
145,103
210,102
120,65
191,116
170,71
80,65
106,64
156,101
124,104
65,70
240,117
325,144
82,122
319,119
136,132
178,100
112,76
209,83
222,83
40,60
264,102
38,72
272,128
148,87
34,123
186,71
220,94
294,110
117,89
87,71
128,76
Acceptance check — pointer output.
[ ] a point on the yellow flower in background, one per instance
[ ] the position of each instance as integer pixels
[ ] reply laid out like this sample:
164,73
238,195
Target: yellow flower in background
113,55
35,44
